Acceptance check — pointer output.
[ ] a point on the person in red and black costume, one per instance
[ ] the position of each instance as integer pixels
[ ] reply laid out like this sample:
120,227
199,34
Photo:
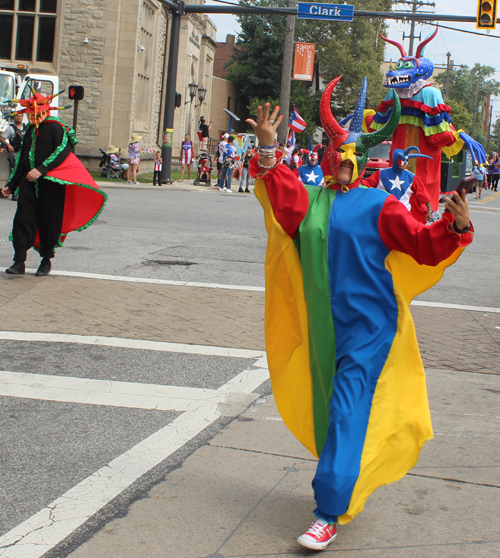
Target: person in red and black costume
56,193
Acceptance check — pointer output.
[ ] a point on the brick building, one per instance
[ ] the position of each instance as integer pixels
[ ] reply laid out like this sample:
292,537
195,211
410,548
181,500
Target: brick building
116,50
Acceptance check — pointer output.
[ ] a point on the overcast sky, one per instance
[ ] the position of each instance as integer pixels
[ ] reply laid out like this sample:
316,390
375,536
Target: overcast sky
465,48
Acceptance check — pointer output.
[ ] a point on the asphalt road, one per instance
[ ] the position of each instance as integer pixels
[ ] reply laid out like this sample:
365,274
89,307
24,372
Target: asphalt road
211,237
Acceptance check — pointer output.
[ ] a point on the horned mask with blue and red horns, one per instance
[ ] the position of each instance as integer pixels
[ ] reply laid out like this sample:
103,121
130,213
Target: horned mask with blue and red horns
409,69
352,143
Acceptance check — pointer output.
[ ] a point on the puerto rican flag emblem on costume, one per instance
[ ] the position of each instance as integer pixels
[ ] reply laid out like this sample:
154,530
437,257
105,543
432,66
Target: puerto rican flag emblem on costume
297,123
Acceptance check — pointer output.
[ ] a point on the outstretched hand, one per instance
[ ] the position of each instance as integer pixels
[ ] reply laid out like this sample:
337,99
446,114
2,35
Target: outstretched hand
459,207
266,126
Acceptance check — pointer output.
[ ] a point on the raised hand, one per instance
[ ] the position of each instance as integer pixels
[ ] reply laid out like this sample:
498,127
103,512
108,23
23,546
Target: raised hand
459,207
266,126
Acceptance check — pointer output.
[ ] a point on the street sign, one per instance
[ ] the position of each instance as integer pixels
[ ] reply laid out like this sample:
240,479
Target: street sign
326,12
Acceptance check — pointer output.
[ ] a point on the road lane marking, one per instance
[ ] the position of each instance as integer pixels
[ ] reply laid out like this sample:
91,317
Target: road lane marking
104,277
485,309
205,350
47,528
489,198
131,395
235,287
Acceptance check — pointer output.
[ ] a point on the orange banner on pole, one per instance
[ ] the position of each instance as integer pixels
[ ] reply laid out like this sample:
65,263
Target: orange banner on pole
303,68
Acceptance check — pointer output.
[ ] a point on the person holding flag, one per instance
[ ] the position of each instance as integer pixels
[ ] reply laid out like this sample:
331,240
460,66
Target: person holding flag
297,123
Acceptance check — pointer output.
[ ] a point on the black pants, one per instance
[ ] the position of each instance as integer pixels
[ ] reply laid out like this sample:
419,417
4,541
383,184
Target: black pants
493,180
156,177
44,214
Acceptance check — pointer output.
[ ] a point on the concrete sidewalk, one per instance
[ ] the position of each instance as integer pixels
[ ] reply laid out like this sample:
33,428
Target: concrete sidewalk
247,493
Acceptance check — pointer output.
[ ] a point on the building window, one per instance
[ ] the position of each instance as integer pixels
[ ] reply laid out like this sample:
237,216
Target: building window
28,30
229,103
145,66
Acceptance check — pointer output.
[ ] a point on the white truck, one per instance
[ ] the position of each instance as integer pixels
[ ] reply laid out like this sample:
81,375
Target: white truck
17,82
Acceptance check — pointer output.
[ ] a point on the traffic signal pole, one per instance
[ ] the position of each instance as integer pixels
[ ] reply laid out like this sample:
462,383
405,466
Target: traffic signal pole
169,107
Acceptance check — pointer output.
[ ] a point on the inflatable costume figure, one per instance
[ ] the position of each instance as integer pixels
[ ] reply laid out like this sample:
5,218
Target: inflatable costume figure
57,195
425,119
400,182
311,173
342,265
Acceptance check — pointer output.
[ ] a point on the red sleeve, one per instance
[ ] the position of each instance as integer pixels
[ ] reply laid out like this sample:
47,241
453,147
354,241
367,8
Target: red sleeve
420,191
372,181
441,140
288,196
427,245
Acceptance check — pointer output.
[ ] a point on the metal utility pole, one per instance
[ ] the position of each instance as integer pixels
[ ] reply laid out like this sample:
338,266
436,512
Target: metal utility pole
414,7
475,109
489,129
168,115
449,66
286,73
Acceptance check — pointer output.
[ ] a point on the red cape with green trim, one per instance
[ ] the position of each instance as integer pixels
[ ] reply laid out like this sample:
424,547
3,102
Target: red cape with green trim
83,202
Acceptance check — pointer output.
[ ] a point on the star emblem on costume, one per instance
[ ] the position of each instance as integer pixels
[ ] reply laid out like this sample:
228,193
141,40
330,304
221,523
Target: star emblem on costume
311,177
397,183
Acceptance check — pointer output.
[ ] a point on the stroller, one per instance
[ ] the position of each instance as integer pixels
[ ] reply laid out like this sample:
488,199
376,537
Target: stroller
204,170
110,164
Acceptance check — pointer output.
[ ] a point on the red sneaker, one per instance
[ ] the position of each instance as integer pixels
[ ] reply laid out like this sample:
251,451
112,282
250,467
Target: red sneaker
319,535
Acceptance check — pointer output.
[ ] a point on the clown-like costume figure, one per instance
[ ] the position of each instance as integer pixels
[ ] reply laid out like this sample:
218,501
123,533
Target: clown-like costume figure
342,265
425,119
57,195
311,174
400,182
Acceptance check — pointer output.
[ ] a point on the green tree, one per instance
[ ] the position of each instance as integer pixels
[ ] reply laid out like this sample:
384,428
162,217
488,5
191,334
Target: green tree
463,84
352,49
461,117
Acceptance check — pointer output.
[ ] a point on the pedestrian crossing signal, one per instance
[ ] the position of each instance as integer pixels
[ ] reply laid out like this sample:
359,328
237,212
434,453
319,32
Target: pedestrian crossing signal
486,14
75,92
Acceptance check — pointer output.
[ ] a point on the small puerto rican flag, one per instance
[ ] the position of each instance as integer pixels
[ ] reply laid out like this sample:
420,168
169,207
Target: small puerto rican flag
291,139
297,123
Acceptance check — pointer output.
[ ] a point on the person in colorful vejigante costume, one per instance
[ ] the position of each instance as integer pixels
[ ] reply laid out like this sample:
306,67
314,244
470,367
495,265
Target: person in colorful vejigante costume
400,182
425,120
57,195
311,174
342,265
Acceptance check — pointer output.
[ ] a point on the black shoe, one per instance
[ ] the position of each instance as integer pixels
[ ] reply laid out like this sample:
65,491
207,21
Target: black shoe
14,197
17,269
247,191
240,190
44,268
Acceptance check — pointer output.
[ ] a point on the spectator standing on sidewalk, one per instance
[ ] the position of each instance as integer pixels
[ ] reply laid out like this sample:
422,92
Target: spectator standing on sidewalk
157,170
245,175
219,153
203,133
186,157
228,161
494,171
480,174
134,159
13,140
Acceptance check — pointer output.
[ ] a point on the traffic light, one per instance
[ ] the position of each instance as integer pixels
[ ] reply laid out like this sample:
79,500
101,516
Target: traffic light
486,14
76,92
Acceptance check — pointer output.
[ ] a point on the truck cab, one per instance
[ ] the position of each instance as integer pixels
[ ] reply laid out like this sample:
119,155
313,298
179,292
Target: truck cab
18,82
